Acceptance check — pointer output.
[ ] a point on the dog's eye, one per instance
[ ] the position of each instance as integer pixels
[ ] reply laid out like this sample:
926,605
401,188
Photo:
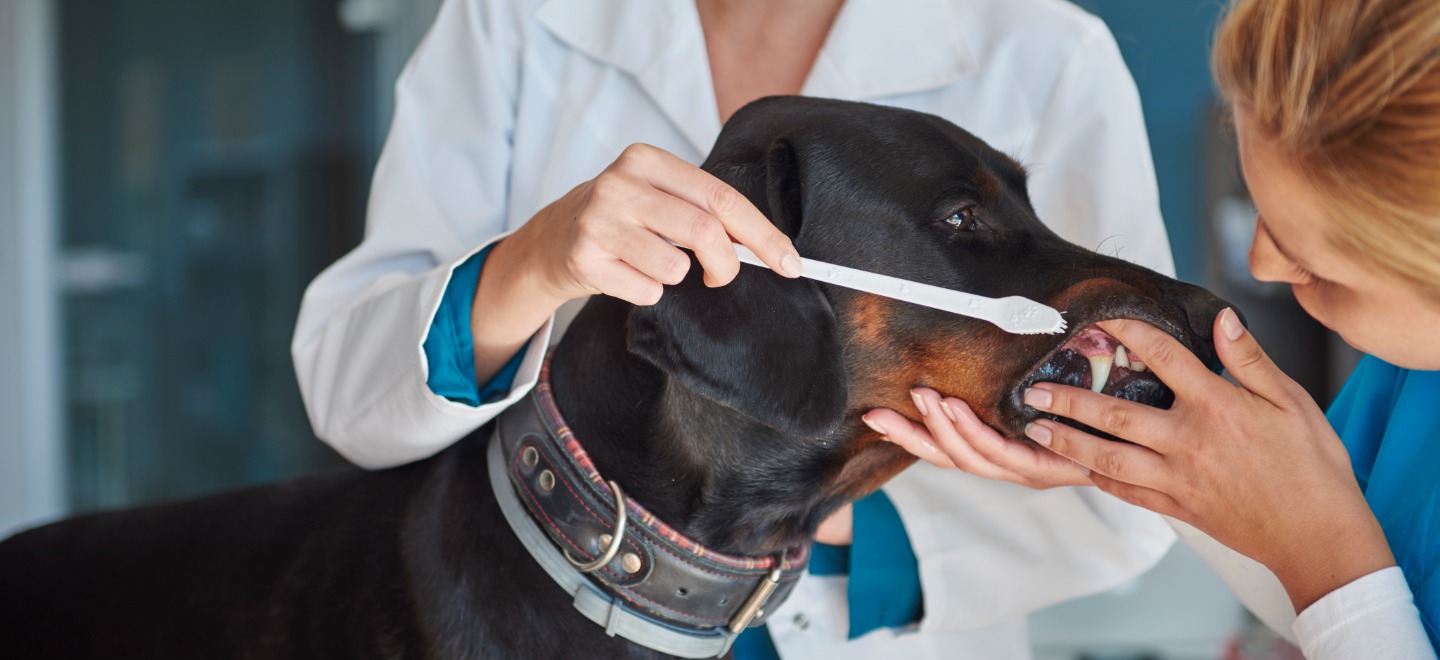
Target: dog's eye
963,219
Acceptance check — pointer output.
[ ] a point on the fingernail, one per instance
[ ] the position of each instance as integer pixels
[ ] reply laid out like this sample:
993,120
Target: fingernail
873,426
1037,398
920,403
1230,324
945,407
790,265
1038,433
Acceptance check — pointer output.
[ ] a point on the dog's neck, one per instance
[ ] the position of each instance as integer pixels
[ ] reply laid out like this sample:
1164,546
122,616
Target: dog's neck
713,473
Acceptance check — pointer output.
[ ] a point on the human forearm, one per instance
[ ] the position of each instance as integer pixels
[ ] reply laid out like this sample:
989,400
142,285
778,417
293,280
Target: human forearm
511,302
1312,567
1308,522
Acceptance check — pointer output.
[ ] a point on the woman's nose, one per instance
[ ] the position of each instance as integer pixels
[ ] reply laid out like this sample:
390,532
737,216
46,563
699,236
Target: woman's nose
1266,262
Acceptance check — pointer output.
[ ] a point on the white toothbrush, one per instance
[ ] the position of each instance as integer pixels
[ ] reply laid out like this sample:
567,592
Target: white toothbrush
1014,314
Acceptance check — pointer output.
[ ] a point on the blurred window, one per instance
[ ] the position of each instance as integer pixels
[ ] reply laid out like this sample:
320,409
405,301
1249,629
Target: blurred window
214,157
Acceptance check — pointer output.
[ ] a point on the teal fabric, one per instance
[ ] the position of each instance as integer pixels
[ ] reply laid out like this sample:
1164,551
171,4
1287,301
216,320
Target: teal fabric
829,559
755,644
884,589
1389,419
884,586
449,347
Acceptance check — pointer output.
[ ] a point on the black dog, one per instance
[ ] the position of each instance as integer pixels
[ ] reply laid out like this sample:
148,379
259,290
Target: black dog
732,414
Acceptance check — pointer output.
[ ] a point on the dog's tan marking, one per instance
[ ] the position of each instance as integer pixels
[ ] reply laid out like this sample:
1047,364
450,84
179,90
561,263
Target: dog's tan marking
870,318
871,463
988,183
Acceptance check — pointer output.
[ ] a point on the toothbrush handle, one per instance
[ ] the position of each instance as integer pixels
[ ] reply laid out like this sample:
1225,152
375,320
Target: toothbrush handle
1012,314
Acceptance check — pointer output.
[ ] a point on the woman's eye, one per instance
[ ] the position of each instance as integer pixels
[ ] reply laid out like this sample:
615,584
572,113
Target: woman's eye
963,219
1304,274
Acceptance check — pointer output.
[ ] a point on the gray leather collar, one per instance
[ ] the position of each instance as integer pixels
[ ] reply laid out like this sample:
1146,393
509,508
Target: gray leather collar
654,587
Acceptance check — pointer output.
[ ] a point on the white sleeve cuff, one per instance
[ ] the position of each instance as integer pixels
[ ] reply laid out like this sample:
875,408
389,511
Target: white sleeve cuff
526,376
1372,617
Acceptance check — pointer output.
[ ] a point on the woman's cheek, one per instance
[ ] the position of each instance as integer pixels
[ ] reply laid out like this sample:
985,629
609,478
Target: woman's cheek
1354,317
1311,300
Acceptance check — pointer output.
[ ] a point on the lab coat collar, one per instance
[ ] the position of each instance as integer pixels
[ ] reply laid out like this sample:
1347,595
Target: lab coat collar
876,48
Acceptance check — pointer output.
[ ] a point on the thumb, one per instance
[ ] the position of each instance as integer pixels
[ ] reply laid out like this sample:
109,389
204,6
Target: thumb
1245,360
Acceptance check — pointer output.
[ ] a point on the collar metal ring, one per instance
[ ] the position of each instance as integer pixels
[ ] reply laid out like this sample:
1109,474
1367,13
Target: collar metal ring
617,537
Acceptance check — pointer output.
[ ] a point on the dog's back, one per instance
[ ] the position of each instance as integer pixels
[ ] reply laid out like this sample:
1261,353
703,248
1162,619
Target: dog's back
411,562
320,553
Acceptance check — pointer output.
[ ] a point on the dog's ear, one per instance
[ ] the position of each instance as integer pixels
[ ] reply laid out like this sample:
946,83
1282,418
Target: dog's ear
782,202
763,345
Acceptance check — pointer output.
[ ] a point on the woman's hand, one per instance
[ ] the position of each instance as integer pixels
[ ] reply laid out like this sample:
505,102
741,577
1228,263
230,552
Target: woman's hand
1256,466
608,235
954,437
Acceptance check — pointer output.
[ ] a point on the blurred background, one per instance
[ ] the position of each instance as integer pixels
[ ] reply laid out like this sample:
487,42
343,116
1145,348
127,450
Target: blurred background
173,173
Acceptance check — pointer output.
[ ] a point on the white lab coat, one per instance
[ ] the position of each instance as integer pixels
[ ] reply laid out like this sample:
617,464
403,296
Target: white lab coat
507,104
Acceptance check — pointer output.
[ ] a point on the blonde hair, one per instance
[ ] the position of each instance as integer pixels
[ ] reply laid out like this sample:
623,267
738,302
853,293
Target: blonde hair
1349,91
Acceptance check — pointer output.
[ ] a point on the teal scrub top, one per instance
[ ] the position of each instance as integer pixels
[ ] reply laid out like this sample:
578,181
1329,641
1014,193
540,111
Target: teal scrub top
1389,420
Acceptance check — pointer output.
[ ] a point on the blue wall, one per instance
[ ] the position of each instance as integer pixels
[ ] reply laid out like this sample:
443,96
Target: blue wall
1167,46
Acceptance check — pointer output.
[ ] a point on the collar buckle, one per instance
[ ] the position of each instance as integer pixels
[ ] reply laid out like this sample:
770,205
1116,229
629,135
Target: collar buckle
752,608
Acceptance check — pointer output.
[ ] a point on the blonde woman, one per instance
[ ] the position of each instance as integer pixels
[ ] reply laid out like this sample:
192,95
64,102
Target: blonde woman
1337,109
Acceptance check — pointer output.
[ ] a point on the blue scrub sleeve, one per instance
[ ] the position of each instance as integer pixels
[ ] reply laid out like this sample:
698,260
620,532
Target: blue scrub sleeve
450,348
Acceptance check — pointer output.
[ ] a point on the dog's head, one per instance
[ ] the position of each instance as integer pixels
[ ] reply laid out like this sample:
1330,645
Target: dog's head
909,195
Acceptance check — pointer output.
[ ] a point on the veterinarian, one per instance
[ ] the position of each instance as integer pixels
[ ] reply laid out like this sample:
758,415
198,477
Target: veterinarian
1337,110
507,190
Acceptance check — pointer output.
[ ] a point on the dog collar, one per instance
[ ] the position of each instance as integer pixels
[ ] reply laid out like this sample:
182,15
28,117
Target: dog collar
628,571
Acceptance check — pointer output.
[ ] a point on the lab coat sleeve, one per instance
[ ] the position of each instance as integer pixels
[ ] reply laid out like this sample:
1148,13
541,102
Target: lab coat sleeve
990,552
1372,617
438,196
450,349
1251,581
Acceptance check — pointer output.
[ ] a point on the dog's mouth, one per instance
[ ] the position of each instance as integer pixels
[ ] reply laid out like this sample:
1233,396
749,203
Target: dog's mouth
1095,360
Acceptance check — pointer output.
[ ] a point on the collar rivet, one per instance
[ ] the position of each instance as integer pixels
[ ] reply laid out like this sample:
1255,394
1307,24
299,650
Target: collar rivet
630,562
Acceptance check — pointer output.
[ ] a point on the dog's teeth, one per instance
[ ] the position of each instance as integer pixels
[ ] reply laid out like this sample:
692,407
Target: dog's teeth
1137,366
1100,371
1122,358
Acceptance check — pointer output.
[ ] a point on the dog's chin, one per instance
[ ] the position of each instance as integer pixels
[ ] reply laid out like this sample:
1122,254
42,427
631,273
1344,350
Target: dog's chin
1091,357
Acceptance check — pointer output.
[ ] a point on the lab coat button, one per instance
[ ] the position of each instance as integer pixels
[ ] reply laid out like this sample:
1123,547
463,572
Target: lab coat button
800,621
